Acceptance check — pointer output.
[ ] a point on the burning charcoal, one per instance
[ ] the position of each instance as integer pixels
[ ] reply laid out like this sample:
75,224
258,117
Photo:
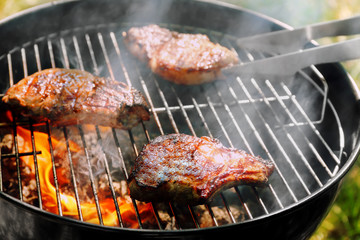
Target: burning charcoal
9,169
124,188
10,182
121,188
7,144
26,170
103,187
167,220
205,219
29,191
221,215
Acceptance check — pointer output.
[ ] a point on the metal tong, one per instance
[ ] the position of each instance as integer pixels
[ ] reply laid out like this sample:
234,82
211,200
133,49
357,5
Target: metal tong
288,51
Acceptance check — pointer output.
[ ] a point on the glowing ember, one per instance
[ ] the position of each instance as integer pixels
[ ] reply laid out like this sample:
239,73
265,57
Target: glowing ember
68,201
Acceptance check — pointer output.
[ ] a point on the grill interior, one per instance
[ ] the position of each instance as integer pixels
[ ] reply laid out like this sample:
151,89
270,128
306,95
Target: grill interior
278,119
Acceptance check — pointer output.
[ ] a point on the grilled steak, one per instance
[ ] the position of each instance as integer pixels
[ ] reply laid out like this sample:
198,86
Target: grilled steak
190,170
69,97
179,57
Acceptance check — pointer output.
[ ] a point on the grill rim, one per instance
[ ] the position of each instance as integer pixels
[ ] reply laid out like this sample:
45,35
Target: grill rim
333,183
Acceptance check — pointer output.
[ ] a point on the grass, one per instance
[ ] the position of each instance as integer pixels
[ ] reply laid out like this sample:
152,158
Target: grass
343,220
9,7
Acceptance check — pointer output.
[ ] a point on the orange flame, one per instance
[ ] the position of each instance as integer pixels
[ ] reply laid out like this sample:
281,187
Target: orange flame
68,202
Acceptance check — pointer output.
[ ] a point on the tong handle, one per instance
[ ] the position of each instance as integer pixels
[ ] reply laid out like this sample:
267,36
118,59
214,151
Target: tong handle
288,64
289,40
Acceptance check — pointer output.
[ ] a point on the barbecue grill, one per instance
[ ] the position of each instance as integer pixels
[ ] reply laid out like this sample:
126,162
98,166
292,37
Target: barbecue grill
306,124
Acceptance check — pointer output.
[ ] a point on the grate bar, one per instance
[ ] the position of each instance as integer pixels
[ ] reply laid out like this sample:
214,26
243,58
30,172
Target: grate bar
118,53
51,53
106,56
228,138
308,120
155,115
113,38
337,160
107,60
38,64
158,122
102,43
177,225
325,91
232,117
64,53
228,210
105,160
209,133
92,54
77,52
310,124
37,56
268,153
23,58
281,148
156,213
233,94
211,212
37,180
58,199
10,155
288,135
72,174
66,63
183,111
15,138
17,159
251,58
205,105
169,114
11,76
189,124
173,124
193,216
166,108
36,165
111,186
108,173
91,175
243,203
123,168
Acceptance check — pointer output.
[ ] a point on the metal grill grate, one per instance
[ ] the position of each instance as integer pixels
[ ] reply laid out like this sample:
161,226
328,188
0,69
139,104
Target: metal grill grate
279,119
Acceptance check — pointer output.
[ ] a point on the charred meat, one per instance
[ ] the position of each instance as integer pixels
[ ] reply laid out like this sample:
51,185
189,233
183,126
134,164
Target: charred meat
179,57
190,170
68,97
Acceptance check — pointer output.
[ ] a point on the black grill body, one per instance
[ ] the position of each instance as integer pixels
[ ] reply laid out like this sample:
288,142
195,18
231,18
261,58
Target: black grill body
294,221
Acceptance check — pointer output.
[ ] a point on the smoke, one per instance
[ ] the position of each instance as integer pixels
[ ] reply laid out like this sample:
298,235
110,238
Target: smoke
99,154
295,13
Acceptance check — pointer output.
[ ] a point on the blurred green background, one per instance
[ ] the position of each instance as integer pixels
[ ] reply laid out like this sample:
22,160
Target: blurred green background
343,220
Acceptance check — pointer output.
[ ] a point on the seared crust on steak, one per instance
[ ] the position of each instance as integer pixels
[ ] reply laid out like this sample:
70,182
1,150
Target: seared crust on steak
143,42
179,57
190,170
69,97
